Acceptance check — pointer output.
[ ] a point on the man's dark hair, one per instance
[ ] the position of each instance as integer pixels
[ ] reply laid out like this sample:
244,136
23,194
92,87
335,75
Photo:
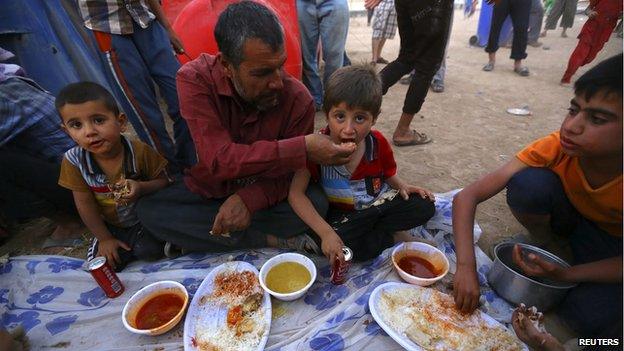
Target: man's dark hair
359,86
605,77
246,20
81,92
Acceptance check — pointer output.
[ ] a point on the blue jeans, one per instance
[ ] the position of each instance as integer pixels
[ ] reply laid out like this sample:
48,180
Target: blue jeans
146,57
592,309
329,21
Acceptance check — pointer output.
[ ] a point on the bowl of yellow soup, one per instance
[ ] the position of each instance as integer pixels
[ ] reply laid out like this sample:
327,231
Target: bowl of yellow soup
288,276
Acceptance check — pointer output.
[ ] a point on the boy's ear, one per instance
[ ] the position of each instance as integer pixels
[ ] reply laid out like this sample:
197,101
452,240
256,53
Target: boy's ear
122,120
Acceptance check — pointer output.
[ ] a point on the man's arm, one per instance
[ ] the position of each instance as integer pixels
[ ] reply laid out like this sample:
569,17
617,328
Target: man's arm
216,150
156,9
465,284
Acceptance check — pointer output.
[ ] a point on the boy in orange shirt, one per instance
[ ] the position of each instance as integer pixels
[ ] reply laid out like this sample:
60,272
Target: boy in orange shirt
567,183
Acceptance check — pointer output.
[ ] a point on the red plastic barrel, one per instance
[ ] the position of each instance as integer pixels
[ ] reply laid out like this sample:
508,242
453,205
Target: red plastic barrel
196,20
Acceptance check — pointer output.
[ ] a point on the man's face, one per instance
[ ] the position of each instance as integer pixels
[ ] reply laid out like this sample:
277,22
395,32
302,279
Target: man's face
258,79
593,128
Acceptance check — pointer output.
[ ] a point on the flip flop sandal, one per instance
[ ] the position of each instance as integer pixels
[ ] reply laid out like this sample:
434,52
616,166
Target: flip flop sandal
417,139
382,60
437,87
523,71
489,67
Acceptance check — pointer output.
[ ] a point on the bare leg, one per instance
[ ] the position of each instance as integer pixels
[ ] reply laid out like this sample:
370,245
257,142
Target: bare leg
403,132
517,64
563,32
544,33
492,57
376,44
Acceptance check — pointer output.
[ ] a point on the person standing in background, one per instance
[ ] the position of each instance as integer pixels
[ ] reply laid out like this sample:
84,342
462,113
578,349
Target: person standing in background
384,27
327,20
137,42
566,9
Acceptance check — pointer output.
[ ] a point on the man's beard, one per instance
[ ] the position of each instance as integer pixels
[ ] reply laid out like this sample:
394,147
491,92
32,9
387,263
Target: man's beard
258,101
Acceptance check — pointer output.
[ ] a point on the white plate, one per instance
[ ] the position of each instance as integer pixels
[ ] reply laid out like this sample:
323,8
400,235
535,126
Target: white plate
207,314
402,339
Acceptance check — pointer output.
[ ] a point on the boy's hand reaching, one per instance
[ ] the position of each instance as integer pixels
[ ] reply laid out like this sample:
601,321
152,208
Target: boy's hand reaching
466,288
536,266
108,249
332,247
406,190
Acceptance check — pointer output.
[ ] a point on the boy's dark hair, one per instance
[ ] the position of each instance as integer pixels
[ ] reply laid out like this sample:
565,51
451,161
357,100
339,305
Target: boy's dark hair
605,77
359,86
81,92
242,21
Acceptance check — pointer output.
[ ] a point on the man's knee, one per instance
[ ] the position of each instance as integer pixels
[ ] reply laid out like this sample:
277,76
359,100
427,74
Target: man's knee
532,190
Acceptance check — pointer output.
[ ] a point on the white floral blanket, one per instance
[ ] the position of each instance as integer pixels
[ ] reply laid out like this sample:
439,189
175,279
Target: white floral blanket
60,306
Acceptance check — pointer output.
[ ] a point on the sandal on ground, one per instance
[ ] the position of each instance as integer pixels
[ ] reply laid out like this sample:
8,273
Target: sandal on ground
303,242
522,71
437,87
489,67
71,242
382,60
417,139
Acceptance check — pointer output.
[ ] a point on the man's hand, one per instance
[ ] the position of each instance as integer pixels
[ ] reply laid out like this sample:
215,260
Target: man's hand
466,288
528,333
108,249
536,266
233,216
408,189
176,43
332,247
321,150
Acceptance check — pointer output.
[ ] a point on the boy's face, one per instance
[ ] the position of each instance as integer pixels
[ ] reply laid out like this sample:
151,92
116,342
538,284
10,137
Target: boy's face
349,125
593,128
94,127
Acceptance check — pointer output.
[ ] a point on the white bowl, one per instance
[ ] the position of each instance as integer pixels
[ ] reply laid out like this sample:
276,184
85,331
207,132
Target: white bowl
130,310
288,257
426,251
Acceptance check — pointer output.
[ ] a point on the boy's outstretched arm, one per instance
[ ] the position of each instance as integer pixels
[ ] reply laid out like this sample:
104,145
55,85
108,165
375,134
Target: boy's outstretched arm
608,270
298,200
465,284
406,189
138,188
90,215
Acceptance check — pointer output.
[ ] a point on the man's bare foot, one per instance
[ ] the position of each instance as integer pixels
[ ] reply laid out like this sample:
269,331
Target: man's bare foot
543,34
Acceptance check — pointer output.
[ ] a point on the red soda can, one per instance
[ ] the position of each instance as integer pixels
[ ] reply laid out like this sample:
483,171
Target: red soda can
340,268
105,277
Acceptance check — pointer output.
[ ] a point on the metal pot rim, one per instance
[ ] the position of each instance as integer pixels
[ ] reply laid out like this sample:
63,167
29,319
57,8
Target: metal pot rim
543,252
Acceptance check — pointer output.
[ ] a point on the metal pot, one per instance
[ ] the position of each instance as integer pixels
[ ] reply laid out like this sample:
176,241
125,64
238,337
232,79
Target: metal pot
507,279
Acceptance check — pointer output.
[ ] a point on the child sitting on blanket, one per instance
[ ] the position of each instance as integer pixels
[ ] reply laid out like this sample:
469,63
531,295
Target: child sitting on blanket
107,173
364,210
567,183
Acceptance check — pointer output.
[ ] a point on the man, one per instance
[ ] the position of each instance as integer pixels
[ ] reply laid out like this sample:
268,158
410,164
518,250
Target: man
329,21
423,29
137,42
32,144
249,121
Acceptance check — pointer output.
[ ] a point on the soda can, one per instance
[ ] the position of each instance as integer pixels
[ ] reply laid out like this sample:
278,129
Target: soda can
341,268
105,277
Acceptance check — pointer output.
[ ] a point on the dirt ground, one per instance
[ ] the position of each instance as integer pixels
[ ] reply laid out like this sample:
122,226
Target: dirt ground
472,131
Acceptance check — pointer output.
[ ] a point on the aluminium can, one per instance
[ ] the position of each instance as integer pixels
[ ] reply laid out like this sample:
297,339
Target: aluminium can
105,276
341,268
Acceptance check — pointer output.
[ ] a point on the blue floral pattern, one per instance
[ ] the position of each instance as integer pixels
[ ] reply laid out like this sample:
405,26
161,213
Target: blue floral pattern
45,295
92,298
60,324
328,342
326,296
26,320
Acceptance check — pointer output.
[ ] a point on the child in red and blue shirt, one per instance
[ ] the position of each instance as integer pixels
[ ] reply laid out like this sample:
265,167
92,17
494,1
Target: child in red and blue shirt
365,211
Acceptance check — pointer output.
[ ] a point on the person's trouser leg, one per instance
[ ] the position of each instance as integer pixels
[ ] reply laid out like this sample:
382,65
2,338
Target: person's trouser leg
569,12
190,218
307,15
368,232
29,187
423,29
155,48
441,72
577,58
535,20
499,14
553,15
138,95
520,12
333,26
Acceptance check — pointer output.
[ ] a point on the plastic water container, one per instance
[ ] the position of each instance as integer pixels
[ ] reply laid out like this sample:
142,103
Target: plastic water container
483,28
194,22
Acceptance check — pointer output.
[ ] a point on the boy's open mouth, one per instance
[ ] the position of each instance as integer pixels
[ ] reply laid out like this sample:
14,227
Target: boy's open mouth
96,143
347,140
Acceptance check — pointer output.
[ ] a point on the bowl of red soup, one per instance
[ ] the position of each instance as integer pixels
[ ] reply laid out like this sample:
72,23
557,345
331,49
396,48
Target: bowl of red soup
156,308
419,263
